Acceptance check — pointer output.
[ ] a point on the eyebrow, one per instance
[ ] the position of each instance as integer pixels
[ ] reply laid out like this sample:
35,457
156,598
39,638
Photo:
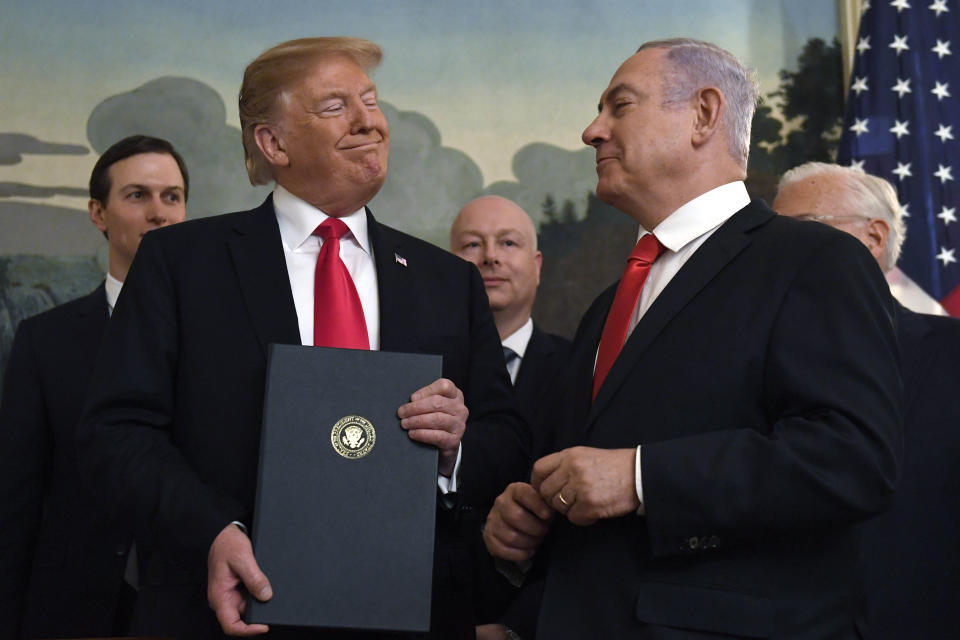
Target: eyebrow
145,187
340,93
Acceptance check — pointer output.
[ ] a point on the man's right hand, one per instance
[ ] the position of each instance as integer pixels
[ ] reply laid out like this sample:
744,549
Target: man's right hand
231,567
517,523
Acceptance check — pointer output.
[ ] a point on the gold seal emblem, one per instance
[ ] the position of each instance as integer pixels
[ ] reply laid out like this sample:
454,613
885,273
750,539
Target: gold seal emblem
353,437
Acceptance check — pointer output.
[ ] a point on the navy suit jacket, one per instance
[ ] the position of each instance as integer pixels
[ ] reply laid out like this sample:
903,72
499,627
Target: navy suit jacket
61,560
172,428
763,386
911,560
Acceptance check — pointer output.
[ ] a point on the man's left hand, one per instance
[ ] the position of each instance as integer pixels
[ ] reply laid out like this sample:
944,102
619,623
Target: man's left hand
588,484
436,415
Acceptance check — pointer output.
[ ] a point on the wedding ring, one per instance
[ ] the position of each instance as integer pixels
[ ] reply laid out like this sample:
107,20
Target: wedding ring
562,501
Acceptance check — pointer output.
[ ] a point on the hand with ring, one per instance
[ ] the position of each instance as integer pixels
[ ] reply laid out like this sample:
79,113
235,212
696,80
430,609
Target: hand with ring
587,484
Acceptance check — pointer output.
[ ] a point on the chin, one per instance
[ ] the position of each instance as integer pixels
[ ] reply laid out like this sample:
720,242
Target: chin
607,193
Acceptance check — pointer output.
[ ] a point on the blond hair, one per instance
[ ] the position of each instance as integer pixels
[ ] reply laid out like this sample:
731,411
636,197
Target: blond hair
274,72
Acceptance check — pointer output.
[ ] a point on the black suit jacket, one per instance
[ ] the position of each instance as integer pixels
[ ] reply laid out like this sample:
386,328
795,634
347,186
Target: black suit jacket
543,363
61,561
172,428
911,561
763,386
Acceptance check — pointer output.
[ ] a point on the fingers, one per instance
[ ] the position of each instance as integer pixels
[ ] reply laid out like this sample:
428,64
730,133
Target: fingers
429,406
513,530
231,566
229,612
528,498
440,387
247,569
436,415
545,467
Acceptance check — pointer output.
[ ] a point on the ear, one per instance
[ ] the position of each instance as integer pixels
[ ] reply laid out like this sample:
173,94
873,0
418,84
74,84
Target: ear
95,207
271,144
708,105
539,260
877,233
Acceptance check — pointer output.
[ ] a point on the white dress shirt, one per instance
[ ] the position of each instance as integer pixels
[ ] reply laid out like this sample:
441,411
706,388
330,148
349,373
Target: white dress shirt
517,342
297,220
682,233
113,286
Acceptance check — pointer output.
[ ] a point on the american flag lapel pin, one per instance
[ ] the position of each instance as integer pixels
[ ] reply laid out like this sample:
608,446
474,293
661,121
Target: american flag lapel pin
400,259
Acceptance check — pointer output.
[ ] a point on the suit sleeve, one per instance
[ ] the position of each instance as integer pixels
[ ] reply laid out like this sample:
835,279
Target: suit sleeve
125,445
831,391
26,442
496,445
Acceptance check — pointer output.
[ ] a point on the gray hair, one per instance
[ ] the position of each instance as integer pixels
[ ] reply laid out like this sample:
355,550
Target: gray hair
695,64
863,194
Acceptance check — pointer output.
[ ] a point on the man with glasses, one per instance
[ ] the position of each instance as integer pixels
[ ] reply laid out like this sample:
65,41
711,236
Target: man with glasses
910,558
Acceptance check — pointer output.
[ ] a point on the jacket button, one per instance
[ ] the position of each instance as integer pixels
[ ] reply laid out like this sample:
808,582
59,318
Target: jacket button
693,543
713,542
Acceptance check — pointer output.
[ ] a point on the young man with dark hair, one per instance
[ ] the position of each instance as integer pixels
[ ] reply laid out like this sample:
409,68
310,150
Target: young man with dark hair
62,562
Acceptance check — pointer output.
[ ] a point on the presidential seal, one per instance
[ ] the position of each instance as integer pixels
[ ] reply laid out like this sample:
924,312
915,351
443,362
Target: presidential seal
353,437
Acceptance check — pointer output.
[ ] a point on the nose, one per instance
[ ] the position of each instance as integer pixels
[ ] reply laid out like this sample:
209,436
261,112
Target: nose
595,133
364,119
155,211
490,253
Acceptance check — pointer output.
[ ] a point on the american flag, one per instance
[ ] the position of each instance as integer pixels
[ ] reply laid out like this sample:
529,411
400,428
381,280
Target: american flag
903,124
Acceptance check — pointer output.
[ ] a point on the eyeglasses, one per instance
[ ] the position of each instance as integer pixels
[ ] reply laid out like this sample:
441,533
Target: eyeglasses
811,217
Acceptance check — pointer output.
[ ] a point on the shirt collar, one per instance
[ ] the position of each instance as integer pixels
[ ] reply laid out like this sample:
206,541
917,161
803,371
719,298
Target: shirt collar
700,215
113,286
298,219
519,339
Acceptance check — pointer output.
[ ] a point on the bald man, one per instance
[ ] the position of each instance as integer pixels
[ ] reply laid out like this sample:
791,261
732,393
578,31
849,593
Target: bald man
499,237
911,564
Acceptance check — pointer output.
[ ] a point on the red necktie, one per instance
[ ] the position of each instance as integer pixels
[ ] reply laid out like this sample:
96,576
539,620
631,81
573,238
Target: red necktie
628,293
338,319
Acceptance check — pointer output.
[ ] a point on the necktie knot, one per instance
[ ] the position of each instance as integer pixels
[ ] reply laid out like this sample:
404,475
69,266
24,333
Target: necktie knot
331,228
509,355
648,249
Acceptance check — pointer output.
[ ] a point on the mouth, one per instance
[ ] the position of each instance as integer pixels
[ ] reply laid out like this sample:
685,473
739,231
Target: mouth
493,282
363,146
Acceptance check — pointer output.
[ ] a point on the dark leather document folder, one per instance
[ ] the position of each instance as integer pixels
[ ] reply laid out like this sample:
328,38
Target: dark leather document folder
346,502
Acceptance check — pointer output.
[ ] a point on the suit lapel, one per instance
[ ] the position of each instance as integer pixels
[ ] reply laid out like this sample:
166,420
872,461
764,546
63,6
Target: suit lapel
88,324
535,360
708,260
255,248
395,286
915,353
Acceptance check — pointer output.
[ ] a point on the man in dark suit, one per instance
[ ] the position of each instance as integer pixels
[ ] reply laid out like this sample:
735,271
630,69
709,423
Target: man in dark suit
499,237
62,561
910,561
731,410
172,430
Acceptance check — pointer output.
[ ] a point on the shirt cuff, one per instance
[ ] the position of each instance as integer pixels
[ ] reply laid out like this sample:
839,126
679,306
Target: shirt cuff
449,485
242,527
638,483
